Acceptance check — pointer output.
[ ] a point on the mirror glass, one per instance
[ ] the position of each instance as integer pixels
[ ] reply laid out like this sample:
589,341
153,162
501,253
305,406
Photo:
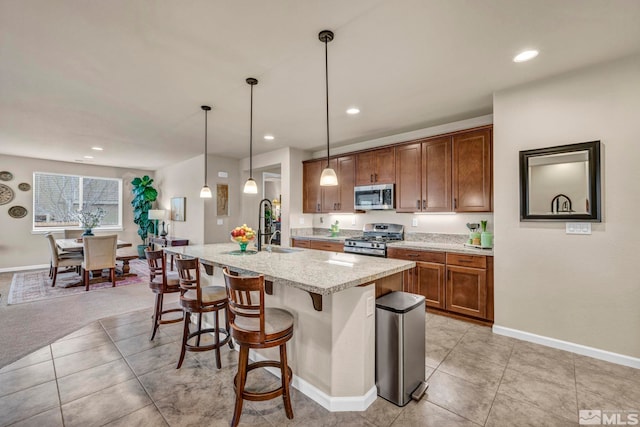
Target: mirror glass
561,183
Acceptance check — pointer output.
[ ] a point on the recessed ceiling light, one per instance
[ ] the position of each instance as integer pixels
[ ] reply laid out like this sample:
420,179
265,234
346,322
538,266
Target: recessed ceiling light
525,56
269,137
353,110
88,157
97,148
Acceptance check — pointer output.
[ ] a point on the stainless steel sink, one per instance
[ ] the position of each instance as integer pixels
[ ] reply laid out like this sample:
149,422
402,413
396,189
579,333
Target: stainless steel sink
279,250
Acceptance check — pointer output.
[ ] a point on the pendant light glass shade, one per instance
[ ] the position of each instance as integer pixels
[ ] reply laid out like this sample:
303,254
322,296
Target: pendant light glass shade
205,193
328,177
250,187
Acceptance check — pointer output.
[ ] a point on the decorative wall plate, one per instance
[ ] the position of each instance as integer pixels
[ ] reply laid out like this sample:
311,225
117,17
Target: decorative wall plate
24,186
6,194
6,176
17,212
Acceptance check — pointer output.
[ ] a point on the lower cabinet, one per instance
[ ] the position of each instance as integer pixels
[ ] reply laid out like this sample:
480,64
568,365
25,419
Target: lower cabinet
322,245
454,283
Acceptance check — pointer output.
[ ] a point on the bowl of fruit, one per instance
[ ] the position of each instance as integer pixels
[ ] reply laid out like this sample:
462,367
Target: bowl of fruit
243,235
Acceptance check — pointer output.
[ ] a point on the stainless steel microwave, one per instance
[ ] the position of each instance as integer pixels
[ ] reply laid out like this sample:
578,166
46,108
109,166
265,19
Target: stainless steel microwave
374,197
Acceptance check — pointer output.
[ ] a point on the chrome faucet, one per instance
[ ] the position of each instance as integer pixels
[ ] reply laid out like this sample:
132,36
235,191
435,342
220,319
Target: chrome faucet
271,239
267,224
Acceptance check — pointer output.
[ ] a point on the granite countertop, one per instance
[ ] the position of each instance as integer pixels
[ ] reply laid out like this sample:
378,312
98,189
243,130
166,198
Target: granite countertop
441,247
320,272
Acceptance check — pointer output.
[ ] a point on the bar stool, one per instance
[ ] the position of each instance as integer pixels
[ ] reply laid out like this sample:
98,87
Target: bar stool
161,283
255,326
197,299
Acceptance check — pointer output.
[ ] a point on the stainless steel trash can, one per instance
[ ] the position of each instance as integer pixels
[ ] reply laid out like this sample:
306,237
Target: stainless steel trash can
400,339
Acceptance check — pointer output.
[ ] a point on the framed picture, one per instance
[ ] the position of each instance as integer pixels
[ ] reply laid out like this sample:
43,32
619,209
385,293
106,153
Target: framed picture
177,209
222,199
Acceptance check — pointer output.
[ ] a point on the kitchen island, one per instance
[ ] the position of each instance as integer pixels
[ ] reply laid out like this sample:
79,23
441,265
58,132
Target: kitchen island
332,352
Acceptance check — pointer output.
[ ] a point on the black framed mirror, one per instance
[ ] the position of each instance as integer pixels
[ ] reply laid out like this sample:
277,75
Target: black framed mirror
561,183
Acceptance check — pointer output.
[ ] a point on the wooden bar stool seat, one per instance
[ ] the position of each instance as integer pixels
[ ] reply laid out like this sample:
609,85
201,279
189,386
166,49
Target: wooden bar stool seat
255,326
161,283
197,299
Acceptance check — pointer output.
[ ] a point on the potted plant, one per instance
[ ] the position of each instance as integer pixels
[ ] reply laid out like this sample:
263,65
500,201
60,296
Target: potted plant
89,219
143,197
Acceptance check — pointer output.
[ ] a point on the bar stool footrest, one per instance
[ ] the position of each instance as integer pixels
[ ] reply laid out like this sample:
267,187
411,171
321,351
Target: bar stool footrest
222,342
176,320
265,395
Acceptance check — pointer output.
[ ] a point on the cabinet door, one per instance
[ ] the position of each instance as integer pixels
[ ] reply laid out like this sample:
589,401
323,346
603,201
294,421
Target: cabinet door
472,171
408,178
299,243
385,166
429,282
346,175
466,291
365,168
331,195
436,172
326,246
311,195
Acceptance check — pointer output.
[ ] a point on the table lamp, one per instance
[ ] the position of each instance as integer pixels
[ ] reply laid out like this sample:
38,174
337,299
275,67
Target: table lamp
155,215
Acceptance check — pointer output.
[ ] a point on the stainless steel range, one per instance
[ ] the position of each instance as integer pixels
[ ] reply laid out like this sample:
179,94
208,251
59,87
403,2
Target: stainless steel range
374,239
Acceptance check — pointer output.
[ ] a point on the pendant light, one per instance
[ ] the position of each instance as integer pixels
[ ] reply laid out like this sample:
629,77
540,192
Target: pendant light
205,193
328,177
250,187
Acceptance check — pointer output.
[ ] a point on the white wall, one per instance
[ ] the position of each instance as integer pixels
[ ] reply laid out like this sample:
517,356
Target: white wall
18,246
576,288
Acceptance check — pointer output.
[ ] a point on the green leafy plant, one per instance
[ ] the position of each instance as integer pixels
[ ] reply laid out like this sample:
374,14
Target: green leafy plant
483,224
143,197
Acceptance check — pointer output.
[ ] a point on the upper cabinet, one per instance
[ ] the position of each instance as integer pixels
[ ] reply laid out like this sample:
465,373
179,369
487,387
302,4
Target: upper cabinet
339,198
472,171
423,176
376,167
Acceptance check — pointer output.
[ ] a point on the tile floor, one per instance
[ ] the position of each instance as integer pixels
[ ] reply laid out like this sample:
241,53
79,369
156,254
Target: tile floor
109,373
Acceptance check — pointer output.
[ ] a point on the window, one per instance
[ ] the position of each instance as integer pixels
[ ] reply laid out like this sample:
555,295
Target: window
57,197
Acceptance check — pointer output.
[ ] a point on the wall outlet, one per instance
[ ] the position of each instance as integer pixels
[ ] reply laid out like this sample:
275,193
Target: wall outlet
321,220
578,228
301,220
220,221
414,222
353,220
371,305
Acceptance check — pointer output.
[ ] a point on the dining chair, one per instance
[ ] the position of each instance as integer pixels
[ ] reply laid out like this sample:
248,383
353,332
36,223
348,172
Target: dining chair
72,234
58,259
255,326
99,254
161,282
198,299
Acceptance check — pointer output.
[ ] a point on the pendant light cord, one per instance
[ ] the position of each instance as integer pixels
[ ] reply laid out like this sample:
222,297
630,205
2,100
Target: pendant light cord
205,146
326,80
251,136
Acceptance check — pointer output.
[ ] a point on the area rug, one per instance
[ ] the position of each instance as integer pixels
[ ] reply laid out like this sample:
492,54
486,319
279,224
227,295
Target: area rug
35,285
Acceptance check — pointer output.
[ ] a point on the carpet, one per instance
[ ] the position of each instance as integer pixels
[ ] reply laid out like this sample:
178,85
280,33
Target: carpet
35,285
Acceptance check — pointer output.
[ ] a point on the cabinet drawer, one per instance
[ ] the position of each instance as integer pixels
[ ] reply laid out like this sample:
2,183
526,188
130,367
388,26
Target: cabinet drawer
326,246
300,243
476,261
416,255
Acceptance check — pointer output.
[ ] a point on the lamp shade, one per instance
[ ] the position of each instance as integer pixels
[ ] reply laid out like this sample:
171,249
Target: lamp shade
250,187
157,213
205,193
328,177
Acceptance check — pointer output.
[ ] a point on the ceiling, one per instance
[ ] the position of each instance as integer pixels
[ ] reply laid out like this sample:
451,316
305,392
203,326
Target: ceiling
130,75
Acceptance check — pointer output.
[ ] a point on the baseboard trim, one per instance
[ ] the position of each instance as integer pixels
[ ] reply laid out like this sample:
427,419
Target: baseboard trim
24,267
583,350
330,403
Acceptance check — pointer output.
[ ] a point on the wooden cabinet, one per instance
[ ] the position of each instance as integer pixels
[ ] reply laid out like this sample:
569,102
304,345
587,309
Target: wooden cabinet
423,176
311,194
451,282
472,171
376,167
300,243
322,245
340,197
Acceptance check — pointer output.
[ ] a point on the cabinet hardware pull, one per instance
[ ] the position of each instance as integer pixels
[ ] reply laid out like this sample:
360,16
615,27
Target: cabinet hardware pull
455,203
424,204
375,177
318,208
413,255
418,204
465,260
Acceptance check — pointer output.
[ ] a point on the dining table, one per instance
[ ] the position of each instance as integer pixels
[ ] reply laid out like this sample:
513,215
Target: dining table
76,245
